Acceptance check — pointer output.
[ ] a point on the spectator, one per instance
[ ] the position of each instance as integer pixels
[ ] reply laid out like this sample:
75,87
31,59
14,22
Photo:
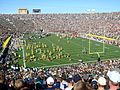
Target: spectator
63,84
114,79
80,85
94,82
38,85
2,80
20,85
101,83
76,78
70,84
50,83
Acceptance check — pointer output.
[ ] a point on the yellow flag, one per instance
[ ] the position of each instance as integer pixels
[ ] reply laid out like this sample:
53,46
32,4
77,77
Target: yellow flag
6,42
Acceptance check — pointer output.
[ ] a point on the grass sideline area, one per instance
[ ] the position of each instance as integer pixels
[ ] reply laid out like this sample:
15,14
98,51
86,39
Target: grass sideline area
55,50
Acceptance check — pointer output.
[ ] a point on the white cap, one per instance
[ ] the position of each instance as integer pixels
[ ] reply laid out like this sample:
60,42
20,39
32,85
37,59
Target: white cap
114,76
50,81
102,81
70,76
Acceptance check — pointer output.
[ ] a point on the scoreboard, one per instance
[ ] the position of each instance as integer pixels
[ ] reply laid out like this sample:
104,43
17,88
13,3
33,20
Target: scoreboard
36,10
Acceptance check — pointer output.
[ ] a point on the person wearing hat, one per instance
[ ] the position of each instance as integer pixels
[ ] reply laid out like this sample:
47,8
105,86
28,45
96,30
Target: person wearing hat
50,83
101,83
114,79
94,82
63,83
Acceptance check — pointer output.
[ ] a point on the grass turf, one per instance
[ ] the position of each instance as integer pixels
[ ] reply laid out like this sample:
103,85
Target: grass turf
71,51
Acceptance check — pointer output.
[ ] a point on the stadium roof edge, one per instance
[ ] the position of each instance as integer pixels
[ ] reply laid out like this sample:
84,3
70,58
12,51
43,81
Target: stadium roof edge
69,13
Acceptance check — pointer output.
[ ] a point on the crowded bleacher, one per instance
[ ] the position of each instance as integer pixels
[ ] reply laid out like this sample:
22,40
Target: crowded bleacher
80,23
103,75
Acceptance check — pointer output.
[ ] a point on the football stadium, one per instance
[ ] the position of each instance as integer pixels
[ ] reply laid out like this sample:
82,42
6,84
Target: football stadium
59,51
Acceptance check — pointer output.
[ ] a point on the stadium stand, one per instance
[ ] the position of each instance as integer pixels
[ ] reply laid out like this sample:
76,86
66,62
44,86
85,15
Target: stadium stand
61,78
104,75
80,23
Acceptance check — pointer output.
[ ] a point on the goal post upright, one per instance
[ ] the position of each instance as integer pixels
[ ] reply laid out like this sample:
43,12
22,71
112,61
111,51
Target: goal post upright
103,44
104,41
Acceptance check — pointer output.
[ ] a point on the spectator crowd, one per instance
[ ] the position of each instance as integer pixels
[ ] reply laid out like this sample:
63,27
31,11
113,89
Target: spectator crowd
104,75
107,24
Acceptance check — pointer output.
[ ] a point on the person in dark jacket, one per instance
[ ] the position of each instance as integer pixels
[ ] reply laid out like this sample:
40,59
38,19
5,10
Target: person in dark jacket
3,86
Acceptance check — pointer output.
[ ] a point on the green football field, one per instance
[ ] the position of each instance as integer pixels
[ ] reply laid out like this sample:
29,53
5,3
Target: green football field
57,50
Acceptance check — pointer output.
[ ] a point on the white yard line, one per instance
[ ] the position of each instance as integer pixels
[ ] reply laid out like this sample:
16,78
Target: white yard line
59,65
76,63
39,63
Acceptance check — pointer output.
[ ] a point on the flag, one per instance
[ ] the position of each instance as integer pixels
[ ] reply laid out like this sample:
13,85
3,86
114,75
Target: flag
6,42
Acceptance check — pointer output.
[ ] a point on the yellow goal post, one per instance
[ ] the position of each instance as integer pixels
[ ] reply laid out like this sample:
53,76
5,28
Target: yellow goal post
103,46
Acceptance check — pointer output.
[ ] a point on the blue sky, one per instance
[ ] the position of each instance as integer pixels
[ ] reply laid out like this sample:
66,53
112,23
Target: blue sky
60,6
